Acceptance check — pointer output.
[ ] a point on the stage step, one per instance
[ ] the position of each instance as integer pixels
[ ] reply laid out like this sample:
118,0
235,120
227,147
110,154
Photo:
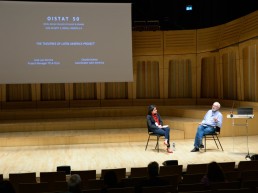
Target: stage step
101,125
80,126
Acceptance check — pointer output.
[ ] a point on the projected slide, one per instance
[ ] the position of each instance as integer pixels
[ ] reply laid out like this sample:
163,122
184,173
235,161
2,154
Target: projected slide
50,42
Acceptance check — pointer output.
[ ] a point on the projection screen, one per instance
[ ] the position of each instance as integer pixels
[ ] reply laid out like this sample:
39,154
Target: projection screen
54,42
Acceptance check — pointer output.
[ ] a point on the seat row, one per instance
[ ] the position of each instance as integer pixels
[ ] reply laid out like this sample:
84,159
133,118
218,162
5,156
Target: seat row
219,187
246,171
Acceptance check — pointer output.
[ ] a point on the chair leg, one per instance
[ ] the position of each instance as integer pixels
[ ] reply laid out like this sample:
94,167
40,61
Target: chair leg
215,141
157,144
220,144
147,143
205,143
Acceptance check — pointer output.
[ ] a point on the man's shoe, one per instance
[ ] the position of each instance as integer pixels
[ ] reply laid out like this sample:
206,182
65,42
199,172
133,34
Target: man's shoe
201,146
195,149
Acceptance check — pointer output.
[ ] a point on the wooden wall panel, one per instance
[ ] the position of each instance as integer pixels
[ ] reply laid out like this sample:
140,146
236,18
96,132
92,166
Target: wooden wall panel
53,92
249,70
181,76
229,60
177,57
208,39
209,80
116,90
149,77
179,42
18,92
208,76
147,43
250,27
84,91
2,92
230,32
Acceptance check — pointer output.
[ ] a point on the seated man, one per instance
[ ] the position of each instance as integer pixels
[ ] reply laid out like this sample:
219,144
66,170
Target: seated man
155,125
212,119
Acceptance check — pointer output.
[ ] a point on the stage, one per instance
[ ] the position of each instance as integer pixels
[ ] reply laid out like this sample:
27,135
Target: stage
21,159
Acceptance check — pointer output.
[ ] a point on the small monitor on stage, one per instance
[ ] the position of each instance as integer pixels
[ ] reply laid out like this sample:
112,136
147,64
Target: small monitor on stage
245,111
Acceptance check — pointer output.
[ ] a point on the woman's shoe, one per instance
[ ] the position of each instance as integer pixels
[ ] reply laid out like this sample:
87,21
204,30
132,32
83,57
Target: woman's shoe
166,143
169,150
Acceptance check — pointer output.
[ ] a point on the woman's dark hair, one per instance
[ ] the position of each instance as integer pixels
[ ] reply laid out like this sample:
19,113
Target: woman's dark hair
150,109
153,169
215,173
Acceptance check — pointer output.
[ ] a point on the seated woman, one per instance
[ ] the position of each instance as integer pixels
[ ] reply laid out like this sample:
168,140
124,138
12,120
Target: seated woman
155,125
214,174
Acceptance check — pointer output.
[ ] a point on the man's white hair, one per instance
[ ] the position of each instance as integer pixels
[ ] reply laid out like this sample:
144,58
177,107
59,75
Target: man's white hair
216,104
74,180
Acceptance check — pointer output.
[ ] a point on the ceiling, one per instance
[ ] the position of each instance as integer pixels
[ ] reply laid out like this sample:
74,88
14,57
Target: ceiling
172,14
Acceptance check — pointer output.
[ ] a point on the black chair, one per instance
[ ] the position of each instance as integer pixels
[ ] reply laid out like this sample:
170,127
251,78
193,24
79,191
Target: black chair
157,136
120,173
213,136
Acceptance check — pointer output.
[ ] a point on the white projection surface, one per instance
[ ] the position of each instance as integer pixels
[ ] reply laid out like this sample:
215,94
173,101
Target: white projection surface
54,42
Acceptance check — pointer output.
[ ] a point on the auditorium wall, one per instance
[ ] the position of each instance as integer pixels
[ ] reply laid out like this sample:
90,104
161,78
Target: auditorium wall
176,67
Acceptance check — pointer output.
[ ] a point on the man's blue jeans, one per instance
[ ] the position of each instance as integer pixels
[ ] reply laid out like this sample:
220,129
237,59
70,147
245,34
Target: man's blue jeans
202,130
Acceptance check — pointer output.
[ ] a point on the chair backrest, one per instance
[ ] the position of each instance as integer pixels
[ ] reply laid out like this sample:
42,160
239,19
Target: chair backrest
216,132
227,166
192,178
120,173
233,176
247,165
148,129
196,168
171,170
249,184
66,169
52,176
58,186
249,175
132,182
22,177
85,175
33,187
217,129
225,185
139,172
172,179
17,178
95,184
56,180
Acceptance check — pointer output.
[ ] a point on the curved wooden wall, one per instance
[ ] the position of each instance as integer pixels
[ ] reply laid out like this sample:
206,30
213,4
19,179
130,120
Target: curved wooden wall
170,67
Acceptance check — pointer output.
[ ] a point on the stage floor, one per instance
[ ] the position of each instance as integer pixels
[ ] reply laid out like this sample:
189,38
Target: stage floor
21,159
